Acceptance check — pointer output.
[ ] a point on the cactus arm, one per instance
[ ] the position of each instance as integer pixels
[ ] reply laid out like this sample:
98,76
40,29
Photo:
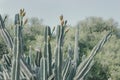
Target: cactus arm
43,69
38,57
90,66
59,53
5,34
49,53
26,69
6,75
1,76
82,68
14,59
67,70
52,77
16,52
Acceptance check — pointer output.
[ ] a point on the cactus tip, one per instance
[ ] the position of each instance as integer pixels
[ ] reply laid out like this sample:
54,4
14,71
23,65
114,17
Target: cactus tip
61,17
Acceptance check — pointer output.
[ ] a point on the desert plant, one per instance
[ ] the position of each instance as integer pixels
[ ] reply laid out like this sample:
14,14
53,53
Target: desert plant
44,67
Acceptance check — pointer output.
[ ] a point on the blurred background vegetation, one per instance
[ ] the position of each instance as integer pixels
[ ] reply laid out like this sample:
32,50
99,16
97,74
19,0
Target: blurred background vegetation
92,29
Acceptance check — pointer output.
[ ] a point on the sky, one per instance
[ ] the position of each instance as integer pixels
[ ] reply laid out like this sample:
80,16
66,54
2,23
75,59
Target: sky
73,10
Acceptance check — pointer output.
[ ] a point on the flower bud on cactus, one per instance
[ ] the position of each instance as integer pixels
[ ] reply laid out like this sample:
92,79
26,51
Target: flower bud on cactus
61,17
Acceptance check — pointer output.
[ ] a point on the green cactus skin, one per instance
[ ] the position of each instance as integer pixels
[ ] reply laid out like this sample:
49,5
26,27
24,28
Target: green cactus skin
71,72
38,57
57,57
70,52
7,60
47,50
16,51
58,53
46,60
52,77
18,55
29,58
49,53
69,68
26,69
43,69
6,76
13,61
1,76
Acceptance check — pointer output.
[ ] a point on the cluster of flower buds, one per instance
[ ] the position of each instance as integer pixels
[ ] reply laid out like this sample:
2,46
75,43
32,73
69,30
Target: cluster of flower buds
22,14
64,23
62,20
